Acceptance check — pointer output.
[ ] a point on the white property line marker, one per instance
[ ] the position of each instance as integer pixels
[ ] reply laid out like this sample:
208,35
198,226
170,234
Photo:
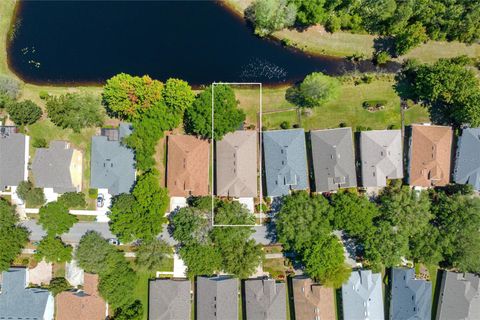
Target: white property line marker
260,155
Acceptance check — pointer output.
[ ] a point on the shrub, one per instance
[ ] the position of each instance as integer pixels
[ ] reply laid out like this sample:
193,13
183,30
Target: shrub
93,193
24,112
39,143
381,57
9,87
33,197
73,200
285,125
44,95
58,284
367,78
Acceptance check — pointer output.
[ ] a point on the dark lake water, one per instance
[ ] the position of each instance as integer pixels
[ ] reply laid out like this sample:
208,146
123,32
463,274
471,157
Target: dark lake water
199,41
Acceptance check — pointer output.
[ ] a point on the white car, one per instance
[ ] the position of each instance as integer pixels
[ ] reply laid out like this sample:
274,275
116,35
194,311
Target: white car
114,241
100,200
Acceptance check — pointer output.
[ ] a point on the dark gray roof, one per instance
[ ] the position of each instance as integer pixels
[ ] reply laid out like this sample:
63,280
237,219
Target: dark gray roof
112,163
411,298
169,300
362,296
18,302
333,159
265,300
51,167
13,147
467,166
459,297
217,298
382,157
285,161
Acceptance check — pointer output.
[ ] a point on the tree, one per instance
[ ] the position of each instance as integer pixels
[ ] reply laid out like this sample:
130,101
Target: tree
232,213
117,283
127,97
315,90
58,285
34,197
190,226
427,246
227,116
92,253
53,250
410,37
133,311
271,15
353,213
75,111
55,218
151,254
324,261
201,259
12,236
73,200
141,214
311,12
178,96
300,211
9,87
24,112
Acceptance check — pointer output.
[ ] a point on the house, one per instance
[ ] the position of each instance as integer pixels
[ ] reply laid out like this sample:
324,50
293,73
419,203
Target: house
430,151
312,301
82,304
112,163
285,161
217,298
459,297
382,157
333,159
19,302
13,157
362,296
467,165
236,161
265,300
411,298
59,168
169,299
187,166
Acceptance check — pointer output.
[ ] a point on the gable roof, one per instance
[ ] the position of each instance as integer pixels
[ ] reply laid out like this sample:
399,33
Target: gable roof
285,161
86,304
51,167
236,170
188,166
13,157
312,300
362,296
459,297
333,159
265,300
112,163
19,302
169,299
430,151
382,157
411,298
217,298
467,167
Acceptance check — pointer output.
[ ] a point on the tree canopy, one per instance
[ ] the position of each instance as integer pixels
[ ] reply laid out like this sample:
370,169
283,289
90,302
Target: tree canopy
52,249
227,116
268,16
314,91
34,197
24,112
55,218
92,253
151,254
12,237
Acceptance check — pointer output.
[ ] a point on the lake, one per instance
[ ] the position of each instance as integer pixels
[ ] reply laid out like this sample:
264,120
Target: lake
85,42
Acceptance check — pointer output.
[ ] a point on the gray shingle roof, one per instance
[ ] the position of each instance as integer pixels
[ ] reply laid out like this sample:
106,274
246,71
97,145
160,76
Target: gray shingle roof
333,159
285,161
19,302
236,164
217,298
51,167
459,297
362,296
12,158
467,166
382,157
265,300
169,300
411,298
112,163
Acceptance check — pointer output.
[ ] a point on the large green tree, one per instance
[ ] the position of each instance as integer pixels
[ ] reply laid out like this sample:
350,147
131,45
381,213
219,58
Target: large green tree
314,91
55,218
52,249
34,197
227,117
12,236
92,253
201,259
24,112
191,225
268,16
178,96
152,254
133,311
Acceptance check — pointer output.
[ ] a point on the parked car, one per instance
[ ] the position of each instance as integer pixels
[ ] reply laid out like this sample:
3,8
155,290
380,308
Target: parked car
114,241
100,200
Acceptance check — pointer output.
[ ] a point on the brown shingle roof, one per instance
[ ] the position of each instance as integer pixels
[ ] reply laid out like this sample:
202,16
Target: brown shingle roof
81,306
187,167
430,152
312,300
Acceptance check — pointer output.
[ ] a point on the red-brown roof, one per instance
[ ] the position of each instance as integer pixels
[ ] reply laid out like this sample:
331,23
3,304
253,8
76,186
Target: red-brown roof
430,153
188,165
312,300
81,306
